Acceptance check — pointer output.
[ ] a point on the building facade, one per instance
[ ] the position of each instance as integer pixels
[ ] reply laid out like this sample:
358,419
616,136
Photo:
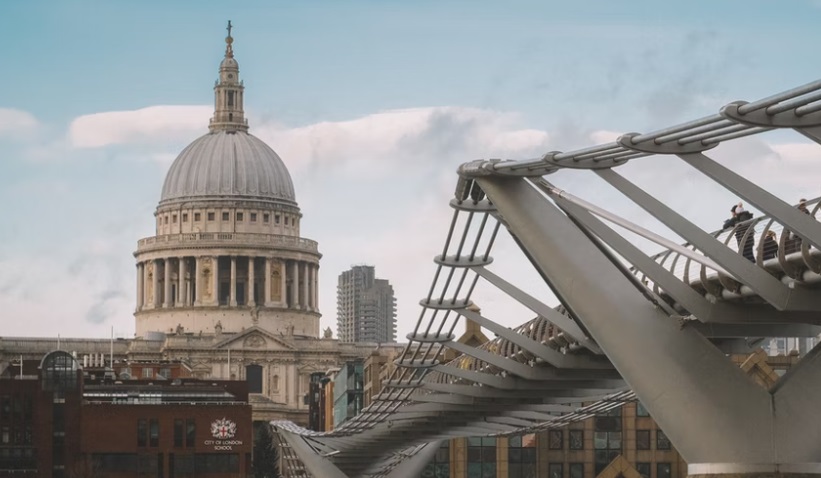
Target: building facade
66,422
227,285
365,307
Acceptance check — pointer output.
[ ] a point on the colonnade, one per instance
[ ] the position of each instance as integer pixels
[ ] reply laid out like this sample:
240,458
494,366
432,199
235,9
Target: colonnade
227,280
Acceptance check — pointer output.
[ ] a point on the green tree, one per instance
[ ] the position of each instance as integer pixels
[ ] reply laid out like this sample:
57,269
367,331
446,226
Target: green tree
266,458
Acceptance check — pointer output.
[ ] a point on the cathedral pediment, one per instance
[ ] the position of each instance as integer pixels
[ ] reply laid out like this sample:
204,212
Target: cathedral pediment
255,338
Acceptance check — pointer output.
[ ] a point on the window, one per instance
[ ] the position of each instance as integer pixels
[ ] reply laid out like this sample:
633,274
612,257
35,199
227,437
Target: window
225,216
166,219
641,411
185,217
577,470
555,439
643,469
642,439
153,432
240,216
115,462
197,217
575,439
148,372
211,216
521,456
276,219
5,407
142,432
190,433
555,470
174,218
178,431
662,442
482,457
286,220
663,470
606,439
253,217
230,98
216,463
253,376
266,217
439,467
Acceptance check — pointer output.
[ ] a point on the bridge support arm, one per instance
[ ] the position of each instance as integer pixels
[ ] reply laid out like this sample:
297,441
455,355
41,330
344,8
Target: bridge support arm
704,403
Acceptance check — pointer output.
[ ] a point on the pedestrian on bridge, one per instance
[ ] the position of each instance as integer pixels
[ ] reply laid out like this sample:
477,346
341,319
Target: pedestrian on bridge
769,246
740,220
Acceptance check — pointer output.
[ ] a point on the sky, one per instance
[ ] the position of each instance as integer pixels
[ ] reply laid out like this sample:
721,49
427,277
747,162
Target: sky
372,105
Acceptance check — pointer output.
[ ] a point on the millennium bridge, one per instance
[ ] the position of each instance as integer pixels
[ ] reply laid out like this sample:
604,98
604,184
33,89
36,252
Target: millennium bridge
627,324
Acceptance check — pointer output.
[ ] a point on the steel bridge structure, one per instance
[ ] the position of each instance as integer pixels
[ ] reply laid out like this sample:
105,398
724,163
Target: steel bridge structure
628,324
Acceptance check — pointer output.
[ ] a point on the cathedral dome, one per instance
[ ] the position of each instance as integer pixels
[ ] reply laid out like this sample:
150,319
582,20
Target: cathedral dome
228,164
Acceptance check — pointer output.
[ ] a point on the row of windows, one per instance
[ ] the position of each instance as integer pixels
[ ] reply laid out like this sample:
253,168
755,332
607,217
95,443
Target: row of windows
226,216
605,440
20,435
576,470
18,459
148,432
179,465
15,408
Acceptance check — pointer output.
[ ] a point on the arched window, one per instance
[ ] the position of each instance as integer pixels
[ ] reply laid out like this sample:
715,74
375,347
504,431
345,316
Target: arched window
275,383
58,371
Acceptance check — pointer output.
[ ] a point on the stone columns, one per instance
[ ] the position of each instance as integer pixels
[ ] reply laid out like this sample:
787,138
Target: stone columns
155,283
250,292
198,281
140,285
315,284
283,283
233,298
166,294
215,280
295,284
266,295
182,285
305,285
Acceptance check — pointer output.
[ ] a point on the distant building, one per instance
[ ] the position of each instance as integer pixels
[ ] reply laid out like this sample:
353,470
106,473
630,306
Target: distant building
365,307
348,392
59,420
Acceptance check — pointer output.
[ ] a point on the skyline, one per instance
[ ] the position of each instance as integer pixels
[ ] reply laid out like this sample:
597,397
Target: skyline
372,106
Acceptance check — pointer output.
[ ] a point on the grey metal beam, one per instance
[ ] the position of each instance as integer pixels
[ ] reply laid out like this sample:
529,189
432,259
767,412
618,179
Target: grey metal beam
792,219
549,355
511,366
694,302
762,282
317,465
676,365
558,319
513,383
414,465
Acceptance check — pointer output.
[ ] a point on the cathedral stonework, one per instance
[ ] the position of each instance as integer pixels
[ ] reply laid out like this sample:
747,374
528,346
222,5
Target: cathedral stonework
227,245
226,285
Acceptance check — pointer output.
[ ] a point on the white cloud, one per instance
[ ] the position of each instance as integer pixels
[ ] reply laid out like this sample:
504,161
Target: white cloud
15,122
375,144
145,125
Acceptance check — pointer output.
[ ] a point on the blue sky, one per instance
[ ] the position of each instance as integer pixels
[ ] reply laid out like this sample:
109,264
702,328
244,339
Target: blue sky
372,105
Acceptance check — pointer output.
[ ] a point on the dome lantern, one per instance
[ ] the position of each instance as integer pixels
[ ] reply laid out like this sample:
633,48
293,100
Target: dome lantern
228,93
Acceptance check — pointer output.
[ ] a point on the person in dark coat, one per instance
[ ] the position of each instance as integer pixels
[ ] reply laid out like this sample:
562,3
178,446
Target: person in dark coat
739,219
769,246
794,241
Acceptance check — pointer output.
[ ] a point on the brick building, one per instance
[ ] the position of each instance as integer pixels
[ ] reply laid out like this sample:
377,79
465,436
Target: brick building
63,421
